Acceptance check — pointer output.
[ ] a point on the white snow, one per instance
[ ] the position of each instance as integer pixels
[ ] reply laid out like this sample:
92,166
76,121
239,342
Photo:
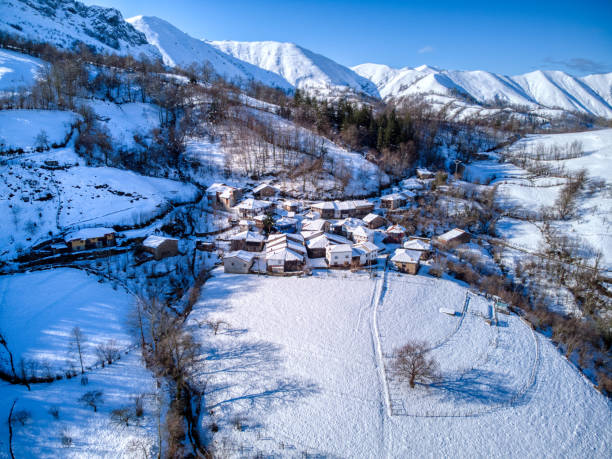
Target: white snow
38,311
302,363
299,66
538,89
17,70
178,48
20,128
518,190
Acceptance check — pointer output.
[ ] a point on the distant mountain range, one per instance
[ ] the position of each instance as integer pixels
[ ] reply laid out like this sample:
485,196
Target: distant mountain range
288,66
540,89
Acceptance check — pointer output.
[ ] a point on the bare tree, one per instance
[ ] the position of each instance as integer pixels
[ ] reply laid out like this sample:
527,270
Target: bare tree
122,416
108,352
78,340
411,365
215,325
93,399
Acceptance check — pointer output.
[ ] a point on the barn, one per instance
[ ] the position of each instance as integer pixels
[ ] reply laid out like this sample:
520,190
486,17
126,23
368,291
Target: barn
453,238
160,246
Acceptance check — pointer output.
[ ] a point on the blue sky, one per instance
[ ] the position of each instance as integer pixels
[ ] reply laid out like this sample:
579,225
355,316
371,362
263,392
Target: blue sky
506,37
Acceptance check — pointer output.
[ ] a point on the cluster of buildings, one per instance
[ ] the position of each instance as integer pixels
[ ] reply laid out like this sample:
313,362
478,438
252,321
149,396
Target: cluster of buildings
326,234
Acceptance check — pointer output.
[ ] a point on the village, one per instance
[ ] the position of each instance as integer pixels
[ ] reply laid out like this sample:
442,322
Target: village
267,233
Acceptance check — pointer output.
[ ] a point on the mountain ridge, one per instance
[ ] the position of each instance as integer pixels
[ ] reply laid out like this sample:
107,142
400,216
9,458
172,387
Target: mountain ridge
591,94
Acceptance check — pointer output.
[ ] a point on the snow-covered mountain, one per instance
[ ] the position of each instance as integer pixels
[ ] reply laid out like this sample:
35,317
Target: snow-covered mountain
178,48
299,66
65,23
540,89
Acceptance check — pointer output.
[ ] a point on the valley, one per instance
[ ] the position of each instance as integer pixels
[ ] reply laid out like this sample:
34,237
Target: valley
218,248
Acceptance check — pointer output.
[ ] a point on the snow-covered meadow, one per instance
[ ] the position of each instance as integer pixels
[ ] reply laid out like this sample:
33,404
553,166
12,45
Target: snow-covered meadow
25,129
301,362
17,70
38,311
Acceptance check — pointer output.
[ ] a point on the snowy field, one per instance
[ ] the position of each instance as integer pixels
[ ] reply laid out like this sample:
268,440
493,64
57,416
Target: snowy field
37,312
92,434
21,128
38,202
17,70
39,309
301,364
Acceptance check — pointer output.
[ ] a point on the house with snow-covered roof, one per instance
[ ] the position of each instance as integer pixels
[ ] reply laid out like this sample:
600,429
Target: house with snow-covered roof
394,234
373,221
291,206
315,225
264,190
392,201
339,255
90,238
362,234
238,262
420,244
367,253
220,194
406,261
250,208
160,246
317,246
343,209
424,173
286,225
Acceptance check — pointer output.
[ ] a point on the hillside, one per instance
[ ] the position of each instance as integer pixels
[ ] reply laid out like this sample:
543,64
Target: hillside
178,48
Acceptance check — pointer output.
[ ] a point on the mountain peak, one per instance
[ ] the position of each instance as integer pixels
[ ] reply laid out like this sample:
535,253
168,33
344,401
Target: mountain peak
301,67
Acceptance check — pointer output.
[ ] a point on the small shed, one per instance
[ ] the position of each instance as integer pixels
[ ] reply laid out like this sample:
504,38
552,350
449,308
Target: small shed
291,206
238,262
160,246
205,245
454,238
423,173
406,261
